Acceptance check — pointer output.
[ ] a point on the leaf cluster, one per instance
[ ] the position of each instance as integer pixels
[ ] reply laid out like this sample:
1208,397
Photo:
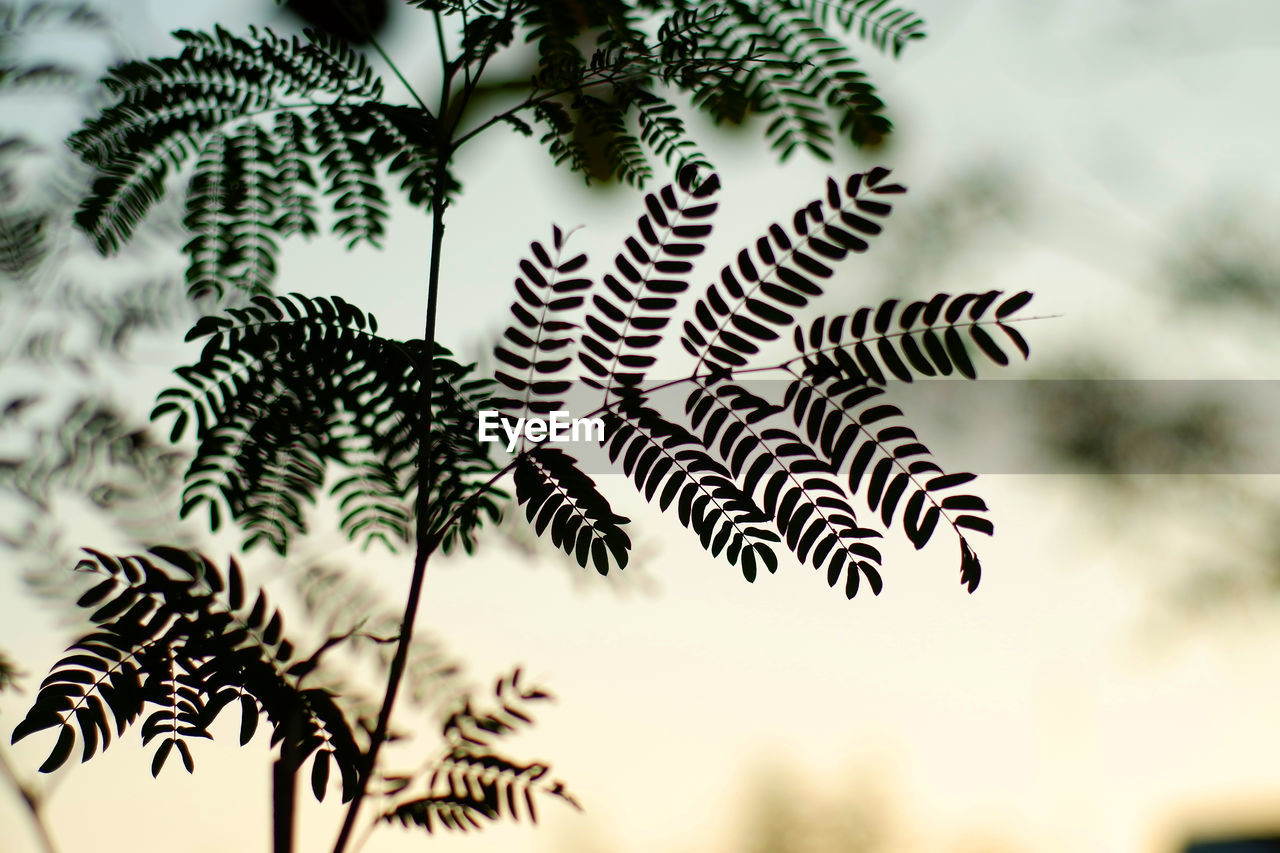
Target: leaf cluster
175,643
68,442
774,58
472,783
288,386
276,128
746,465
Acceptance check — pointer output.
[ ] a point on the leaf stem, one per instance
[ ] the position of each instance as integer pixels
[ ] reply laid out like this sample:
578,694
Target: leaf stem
727,373
445,62
425,546
603,75
395,69
363,27
470,81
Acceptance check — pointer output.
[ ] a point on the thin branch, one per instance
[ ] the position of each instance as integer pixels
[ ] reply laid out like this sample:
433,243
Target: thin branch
395,69
470,82
377,45
445,62
462,53
32,802
604,74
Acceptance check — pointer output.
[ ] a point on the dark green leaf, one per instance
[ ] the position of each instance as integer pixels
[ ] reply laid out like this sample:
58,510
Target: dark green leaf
61,749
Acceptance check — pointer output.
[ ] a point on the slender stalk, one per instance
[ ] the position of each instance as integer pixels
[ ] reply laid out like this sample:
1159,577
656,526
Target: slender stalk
424,546
32,802
395,69
593,77
445,62
471,81
363,26
399,660
462,53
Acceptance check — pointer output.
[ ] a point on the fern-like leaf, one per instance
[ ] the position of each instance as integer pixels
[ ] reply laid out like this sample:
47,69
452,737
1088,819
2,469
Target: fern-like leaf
175,643
890,28
827,75
651,273
664,132
534,349
230,205
848,361
255,179
669,465
559,497
347,164
606,122
288,386
471,784
734,464
798,490
770,280
560,139
938,336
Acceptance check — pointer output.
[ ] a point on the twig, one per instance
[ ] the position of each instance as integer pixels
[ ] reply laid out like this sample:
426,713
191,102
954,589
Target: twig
32,802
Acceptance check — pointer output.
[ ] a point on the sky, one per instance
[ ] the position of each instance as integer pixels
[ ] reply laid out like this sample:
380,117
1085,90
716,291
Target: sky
1066,706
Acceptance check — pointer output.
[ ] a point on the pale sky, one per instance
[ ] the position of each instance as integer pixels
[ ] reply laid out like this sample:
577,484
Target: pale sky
1061,708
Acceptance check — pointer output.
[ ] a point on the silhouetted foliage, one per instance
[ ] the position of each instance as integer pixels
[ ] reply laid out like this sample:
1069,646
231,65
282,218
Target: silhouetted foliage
276,126
470,782
290,384
286,386
175,645
285,135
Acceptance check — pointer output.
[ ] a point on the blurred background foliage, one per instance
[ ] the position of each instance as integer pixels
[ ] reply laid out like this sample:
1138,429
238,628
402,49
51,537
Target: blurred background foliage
73,445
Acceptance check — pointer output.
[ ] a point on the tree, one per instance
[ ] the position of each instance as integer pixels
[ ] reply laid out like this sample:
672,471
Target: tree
294,396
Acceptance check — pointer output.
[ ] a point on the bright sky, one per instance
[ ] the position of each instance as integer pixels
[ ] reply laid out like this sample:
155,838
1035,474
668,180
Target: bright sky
1060,709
